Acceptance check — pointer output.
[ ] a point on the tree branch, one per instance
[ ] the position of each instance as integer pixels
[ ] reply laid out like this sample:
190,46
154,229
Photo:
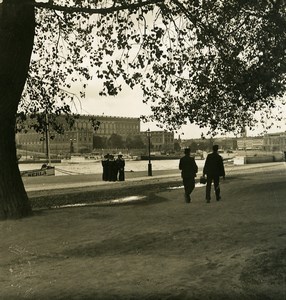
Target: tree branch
185,12
111,9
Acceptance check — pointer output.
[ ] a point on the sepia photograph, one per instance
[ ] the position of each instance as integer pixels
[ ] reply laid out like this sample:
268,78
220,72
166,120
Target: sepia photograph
142,149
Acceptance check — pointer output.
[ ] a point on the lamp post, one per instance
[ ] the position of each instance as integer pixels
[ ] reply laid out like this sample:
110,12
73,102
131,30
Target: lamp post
71,146
149,152
48,152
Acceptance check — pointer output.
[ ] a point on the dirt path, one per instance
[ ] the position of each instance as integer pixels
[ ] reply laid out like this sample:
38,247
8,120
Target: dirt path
160,248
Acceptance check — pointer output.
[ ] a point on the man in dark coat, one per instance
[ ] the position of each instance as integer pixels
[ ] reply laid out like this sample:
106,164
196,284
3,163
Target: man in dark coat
214,169
105,167
189,170
120,167
112,171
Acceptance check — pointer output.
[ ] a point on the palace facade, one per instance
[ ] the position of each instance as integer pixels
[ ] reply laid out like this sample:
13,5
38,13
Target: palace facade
275,141
161,140
250,143
79,138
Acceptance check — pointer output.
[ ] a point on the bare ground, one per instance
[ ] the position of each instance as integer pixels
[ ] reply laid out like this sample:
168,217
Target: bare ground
159,248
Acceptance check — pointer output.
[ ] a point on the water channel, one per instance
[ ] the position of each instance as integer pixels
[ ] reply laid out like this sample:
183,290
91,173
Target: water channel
67,167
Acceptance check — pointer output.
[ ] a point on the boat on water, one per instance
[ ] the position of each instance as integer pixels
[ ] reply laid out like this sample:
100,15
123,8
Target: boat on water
160,157
167,157
45,170
38,161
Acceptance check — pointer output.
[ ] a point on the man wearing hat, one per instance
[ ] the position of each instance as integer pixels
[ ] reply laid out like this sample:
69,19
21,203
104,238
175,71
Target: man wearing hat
213,168
120,167
112,171
189,170
105,167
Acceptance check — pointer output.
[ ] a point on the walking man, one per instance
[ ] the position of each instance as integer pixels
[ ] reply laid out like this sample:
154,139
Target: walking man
189,170
214,169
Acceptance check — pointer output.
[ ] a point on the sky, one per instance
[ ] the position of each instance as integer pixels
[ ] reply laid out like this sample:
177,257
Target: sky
129,103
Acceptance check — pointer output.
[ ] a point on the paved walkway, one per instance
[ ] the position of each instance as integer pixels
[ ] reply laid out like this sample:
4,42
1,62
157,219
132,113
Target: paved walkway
46,183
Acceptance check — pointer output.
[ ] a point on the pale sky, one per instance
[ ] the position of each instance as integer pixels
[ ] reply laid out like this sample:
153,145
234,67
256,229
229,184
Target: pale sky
129,103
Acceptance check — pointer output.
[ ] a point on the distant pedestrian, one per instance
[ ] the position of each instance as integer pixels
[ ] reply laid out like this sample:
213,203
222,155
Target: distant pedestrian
112,170
105,167
214,169
189,170
120,167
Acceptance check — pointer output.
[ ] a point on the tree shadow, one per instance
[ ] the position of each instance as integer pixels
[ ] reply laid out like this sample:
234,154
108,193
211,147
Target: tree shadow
147,243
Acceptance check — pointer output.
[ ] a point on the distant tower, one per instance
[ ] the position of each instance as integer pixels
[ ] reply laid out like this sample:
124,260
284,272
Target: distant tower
244,132
244,137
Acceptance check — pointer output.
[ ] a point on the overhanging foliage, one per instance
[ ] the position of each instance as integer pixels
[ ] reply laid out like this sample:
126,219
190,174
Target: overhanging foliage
211,62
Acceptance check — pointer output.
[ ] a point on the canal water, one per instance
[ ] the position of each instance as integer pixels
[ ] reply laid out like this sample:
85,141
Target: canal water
67,167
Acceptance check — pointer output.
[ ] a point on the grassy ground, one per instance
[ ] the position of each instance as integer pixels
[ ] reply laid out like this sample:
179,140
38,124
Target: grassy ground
159,248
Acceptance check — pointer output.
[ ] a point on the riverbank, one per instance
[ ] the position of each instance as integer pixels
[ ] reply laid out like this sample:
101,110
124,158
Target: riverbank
159,248
47,191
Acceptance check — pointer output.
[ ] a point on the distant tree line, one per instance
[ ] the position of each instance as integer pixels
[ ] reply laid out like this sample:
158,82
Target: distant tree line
194,146
117,141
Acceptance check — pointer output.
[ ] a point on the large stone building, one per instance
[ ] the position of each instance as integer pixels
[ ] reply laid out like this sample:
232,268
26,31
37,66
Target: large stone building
118,125
275,142
161,140
250,143
79,138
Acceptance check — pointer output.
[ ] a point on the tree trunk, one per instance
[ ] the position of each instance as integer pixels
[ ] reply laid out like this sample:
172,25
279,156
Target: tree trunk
17,29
